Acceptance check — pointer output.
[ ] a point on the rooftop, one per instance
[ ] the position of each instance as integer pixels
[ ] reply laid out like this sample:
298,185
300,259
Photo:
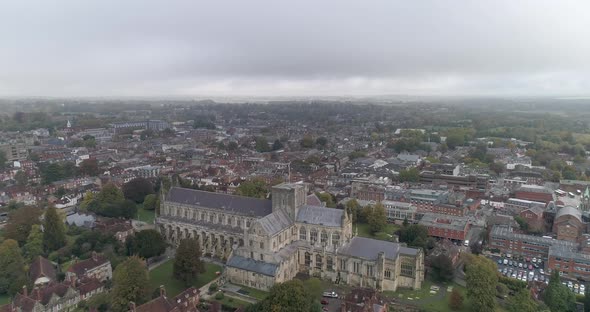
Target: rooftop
369,249
228,203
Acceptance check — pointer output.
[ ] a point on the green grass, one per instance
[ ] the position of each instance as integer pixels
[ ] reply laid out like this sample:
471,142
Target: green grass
252,292
4,299
364,231
146,216
162,275
232,302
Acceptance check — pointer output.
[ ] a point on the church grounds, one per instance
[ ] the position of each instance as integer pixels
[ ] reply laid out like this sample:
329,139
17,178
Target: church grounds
162,275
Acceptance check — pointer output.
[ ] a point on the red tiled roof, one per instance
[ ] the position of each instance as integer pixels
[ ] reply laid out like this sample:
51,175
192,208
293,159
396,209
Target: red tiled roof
41,267
83,266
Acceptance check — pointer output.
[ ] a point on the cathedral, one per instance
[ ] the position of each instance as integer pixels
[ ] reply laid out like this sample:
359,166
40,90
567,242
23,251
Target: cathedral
264,242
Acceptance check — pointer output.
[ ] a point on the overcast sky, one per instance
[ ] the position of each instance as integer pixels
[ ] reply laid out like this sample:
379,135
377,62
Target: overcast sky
294,48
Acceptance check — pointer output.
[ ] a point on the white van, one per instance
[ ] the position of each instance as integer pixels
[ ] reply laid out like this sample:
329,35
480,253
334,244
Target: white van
466,243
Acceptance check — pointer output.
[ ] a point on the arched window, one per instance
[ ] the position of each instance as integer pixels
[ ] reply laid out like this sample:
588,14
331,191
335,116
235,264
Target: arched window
202,216
313,235
324,237
318,261
211,217
330,264
302,233
335,239
307,259
388,274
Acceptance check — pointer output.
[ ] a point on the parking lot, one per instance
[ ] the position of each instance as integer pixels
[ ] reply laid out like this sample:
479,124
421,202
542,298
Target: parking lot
531,270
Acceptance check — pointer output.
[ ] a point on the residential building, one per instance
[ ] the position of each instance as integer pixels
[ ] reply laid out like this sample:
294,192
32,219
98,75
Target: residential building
399,211
509,242
446,227
97,266
568,224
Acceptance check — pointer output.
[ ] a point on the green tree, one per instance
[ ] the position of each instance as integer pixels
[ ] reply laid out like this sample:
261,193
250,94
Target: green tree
326,198
262,144
21,178
409,175
442,268
255,188
522,223
188,264
557,296
54,232
12,268
456,300
20,222
481,279
377,219
321,142
146,244
521,302
34,245
130,283
277,145
2,160
353,209
454,140
306,142
314,288
149,203
137,189
88,198
89,167
415,235
587,299
290,296
110,194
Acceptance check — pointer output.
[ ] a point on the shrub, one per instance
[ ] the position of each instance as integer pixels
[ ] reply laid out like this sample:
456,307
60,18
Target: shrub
213,287
219,296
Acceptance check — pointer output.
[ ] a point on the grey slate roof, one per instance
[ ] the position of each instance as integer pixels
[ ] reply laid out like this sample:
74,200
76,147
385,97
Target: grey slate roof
228,203
252,265
369,249
275,222
320,215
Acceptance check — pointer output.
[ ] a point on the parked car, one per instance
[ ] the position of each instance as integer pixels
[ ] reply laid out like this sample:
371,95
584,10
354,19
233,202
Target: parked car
520,264
534,260
530,266
324,301
330,294
541,271
505,261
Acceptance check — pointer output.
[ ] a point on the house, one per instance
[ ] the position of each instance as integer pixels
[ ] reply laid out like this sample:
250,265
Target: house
363,300
97,266
186,301
42,271
534,218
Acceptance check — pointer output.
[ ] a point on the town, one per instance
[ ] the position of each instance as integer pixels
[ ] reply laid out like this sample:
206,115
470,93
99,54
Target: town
160,205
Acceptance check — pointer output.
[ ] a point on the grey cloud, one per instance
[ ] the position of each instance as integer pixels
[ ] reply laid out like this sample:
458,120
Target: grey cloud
332,47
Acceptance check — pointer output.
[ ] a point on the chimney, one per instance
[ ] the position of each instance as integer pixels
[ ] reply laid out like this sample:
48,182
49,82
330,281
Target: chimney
73,280
162,291
37,293
25,291
131,306
94,256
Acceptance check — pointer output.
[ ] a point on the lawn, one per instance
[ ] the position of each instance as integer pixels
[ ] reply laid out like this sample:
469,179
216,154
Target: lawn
162,275
252,292
146,216
232,302
4,299
386,234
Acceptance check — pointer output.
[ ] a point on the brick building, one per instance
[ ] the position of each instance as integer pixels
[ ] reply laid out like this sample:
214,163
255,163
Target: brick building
504,239
534,193
568,224
444,226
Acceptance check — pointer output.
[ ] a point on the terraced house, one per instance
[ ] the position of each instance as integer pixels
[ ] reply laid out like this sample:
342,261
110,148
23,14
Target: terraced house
269,241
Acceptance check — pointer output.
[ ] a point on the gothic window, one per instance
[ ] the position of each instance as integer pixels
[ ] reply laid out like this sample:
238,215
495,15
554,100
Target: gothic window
211,217
313,235
186,213
261,257
324,237
231,221
302,233
407,269
388,274
342,265
318,261
247,224
335,239
220,219
307,259
202,216
330,264
261,245
369,270
356,267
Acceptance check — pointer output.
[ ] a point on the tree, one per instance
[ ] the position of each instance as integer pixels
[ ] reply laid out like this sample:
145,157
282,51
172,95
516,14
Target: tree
277,145
476,247
34,245
481,281
326,198
306,142
497,167
89,167
290,296
146,244
415,235
54,232
587,299
522,223
557,296
110,194
262,144
456,300
188,264
149,203
88,198
255,188
314,288
442,268
20,223
353,208
409,175
137,189
321,142
2,160
130,283
521,302
454,140
377,219
232,146
12,268
21,178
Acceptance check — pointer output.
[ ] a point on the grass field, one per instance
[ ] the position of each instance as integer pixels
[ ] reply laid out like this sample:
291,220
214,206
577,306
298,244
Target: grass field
146,216
252,292
162,275
386,234
4,299
232,302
